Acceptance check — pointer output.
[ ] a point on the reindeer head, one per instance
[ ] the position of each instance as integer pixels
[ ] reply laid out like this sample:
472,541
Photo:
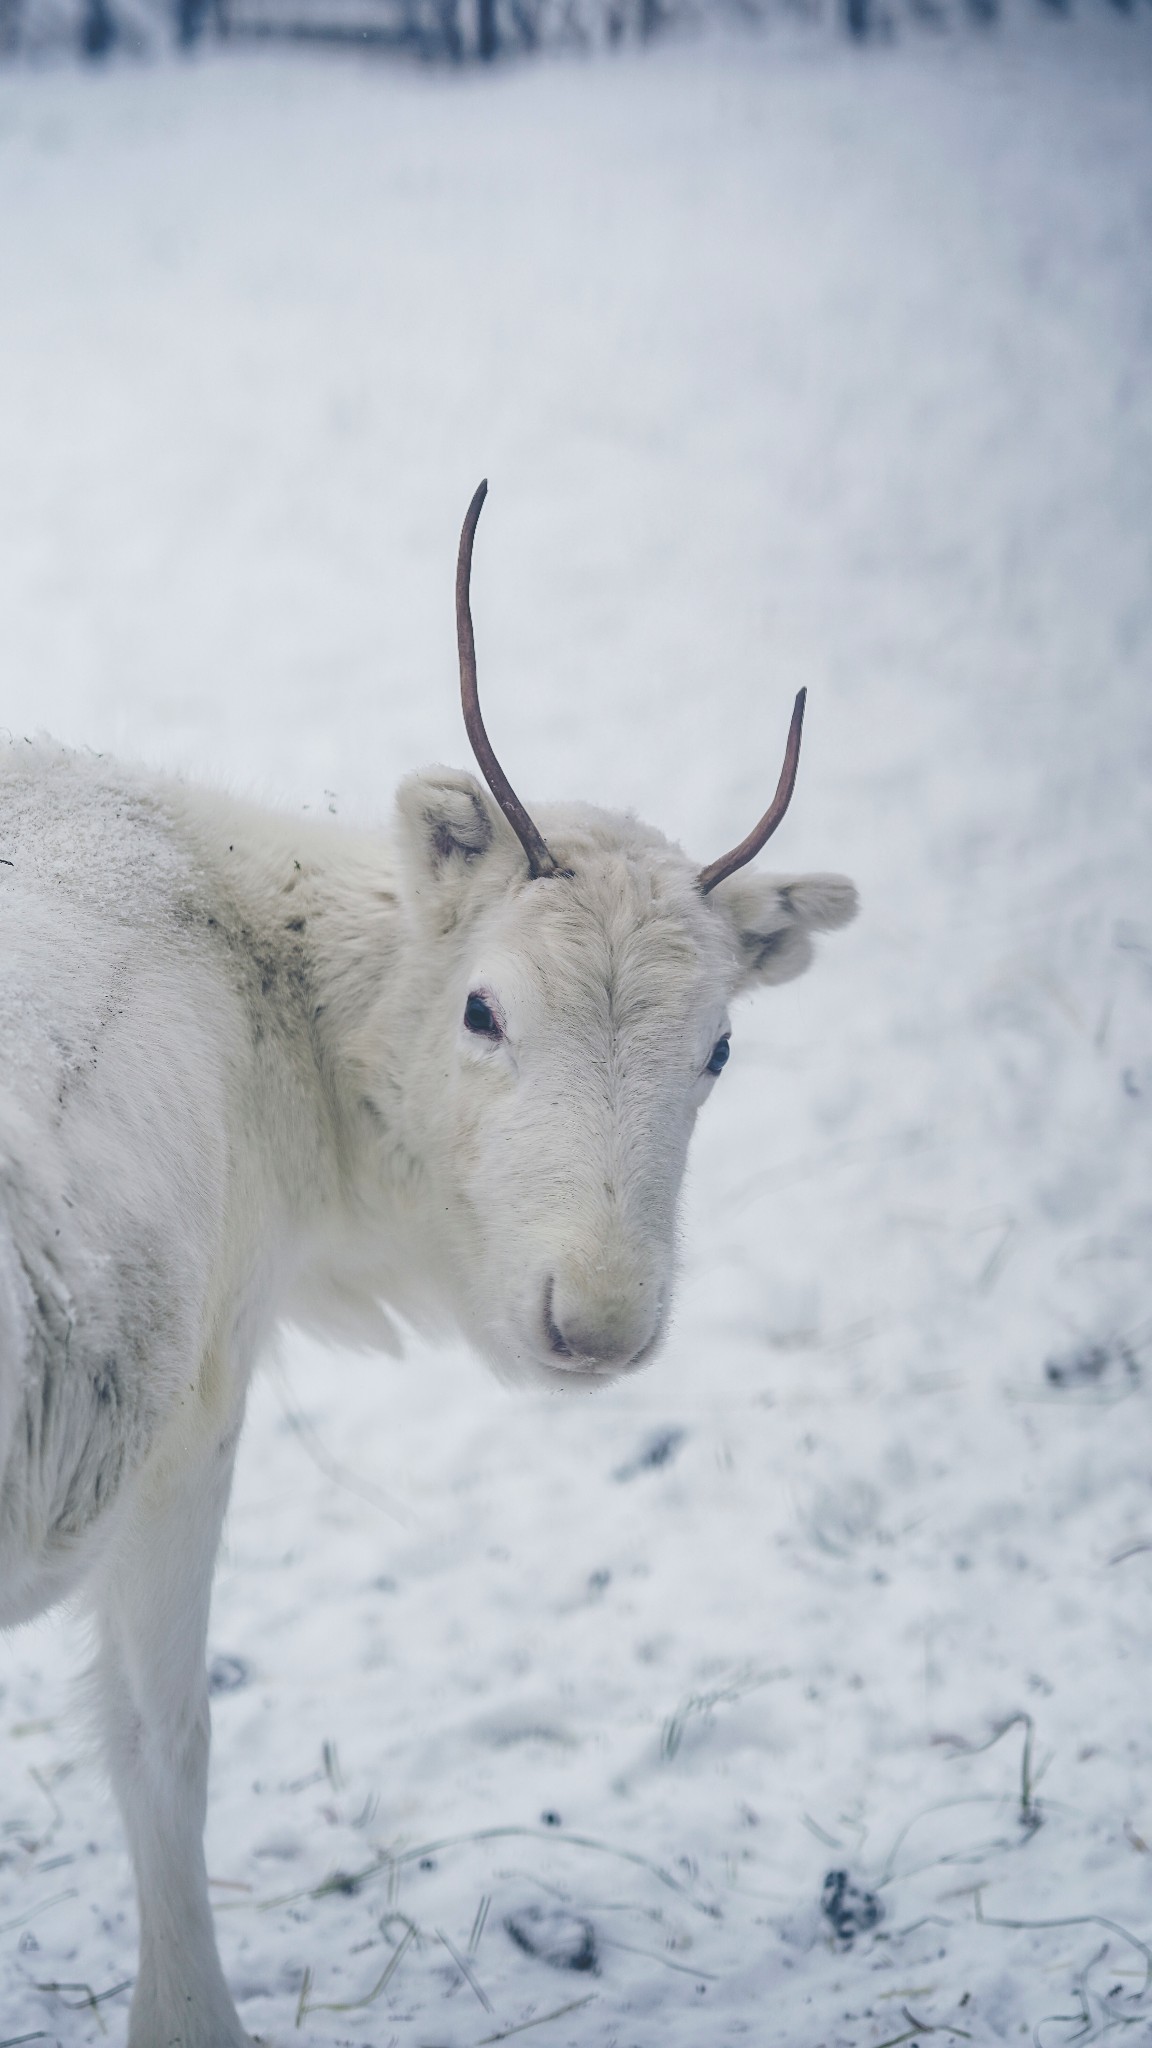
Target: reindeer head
576,995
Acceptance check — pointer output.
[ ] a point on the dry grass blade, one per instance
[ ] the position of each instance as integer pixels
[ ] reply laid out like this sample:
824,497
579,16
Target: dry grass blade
1074,1920
466,1971
1029,1814
937,1806
702,1703
480,1922
821,1834
349,1881
18,2040
308,2005
551,1835
89,2000
42,1905
314,1447
302,2001
917,2028
46,1779
1029,1811
653,1955
522,2026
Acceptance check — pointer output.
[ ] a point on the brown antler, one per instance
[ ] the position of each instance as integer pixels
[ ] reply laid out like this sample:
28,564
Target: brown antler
541,862
750,847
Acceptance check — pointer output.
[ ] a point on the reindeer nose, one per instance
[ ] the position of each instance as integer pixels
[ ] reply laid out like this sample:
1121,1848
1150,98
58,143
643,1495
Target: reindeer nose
600,1327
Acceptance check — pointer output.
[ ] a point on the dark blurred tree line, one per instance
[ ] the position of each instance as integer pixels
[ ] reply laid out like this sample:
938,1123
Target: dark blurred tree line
462,30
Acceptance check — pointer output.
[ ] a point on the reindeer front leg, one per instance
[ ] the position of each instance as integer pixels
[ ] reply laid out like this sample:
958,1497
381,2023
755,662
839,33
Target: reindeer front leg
152,1606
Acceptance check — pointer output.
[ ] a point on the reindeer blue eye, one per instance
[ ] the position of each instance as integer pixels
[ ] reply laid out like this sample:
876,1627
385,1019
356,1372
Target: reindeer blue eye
478,1017
720,1052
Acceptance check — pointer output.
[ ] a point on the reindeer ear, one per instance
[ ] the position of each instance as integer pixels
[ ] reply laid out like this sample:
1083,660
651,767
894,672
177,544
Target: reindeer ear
446,828
774,916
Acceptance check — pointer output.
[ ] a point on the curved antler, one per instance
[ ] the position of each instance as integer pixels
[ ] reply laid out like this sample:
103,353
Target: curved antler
748,848
541,861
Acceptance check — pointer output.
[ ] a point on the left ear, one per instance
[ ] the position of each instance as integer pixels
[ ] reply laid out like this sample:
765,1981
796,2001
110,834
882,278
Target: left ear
774,916
450,837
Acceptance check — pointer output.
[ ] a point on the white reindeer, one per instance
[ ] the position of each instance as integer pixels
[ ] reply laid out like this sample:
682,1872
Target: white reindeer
254,1070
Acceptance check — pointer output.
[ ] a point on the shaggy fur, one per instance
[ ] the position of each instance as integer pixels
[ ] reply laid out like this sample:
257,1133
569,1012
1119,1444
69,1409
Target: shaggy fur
236,1087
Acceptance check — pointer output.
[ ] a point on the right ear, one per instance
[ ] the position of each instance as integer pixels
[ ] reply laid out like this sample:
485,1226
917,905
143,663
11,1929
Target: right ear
773,918
447,829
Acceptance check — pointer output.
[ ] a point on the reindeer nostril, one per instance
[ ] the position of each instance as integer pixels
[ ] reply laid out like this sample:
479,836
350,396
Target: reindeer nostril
556,1342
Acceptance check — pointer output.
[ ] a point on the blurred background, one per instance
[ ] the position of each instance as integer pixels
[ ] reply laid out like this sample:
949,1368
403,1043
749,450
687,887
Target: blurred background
802,1681
457,30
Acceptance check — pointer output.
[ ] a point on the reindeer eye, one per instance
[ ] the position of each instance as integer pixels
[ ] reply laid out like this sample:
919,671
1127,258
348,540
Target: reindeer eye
720,1052
478,1017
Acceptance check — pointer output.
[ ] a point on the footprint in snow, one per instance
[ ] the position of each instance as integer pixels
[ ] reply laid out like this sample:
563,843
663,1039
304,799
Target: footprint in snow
659,1450
850,1909
553,1936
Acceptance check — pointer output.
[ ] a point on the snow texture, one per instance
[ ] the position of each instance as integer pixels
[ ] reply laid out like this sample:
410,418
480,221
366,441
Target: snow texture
664,1716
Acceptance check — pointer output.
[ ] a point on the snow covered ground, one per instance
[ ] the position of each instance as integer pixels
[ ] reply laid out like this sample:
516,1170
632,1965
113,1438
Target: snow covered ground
788,364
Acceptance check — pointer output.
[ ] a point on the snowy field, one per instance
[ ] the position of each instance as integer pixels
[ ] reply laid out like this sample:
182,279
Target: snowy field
788,364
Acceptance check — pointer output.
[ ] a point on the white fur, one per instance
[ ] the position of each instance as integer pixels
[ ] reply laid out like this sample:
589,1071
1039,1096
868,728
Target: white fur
236,1088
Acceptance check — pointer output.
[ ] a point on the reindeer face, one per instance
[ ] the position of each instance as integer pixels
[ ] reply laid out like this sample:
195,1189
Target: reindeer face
577,989
576,1025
